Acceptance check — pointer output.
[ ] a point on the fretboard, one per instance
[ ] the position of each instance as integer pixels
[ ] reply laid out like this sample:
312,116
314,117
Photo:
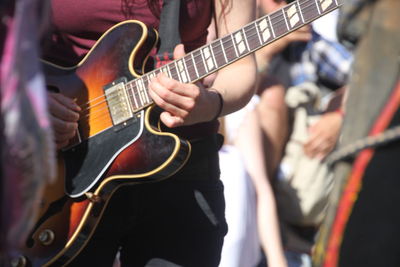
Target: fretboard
228,49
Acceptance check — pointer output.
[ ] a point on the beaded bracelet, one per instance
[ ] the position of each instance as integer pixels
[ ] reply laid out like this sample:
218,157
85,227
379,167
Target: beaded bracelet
221,104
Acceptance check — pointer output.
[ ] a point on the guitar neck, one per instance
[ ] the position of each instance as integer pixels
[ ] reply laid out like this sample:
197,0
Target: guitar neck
228,49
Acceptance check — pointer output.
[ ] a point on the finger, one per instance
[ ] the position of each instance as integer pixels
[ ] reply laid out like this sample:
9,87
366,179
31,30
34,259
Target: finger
182,89
320,145
170,120
62,110
170,98
165,105
66,101
311,147
62,144
63,127
179,51
62,138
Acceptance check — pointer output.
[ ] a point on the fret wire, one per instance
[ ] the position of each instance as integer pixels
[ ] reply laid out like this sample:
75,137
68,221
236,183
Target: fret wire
185,69
276,14
213,56
190,67
245,39
178,71
194,65
175,68
140,97
146,83
146,86
316,3
155,72
145,91
204,62
304,6
307,6
283,14
148,80
250,32
137,94
223,50
273,15
198,59
258,32
168,70
134,97
271,26
299,11
229,48
216,50
141,91
135,105
234,45
140,81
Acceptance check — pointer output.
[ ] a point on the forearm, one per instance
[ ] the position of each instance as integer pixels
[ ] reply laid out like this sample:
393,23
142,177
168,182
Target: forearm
249,141
236,84
269,230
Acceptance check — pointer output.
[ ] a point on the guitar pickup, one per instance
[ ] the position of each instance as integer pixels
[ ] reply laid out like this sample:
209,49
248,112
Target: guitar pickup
118,102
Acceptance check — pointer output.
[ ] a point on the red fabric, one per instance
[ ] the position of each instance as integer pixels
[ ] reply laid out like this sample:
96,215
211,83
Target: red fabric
353,186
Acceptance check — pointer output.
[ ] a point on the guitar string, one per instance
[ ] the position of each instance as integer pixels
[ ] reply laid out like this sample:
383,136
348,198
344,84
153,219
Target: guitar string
251,27
273,16
277,14
105,108
172,68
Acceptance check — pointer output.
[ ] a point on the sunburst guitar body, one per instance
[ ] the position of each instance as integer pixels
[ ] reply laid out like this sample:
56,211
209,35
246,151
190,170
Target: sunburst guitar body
119,142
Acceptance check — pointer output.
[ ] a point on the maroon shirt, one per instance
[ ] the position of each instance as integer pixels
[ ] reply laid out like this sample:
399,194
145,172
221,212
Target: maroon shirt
76,25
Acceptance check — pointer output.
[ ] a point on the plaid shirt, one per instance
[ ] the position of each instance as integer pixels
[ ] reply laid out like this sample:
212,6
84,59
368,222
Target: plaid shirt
320,61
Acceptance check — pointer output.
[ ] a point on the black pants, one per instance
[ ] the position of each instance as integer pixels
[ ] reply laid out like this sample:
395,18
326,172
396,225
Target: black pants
176,222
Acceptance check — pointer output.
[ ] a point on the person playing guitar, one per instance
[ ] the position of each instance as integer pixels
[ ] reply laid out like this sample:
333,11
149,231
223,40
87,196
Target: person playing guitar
179,220
138,147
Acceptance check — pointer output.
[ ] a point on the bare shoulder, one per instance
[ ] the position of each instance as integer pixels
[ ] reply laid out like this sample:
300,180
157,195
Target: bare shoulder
233,14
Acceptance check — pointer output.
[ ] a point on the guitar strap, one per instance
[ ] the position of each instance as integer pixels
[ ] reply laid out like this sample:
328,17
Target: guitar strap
169,35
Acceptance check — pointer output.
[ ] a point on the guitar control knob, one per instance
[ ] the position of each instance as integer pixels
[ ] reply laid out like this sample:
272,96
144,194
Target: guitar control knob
46,237
20,261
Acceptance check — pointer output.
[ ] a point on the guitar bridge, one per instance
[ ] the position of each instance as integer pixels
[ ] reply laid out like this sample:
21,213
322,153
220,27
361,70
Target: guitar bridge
118,101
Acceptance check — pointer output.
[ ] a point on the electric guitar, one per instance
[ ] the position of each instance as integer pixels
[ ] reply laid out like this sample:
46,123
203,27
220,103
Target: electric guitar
119,140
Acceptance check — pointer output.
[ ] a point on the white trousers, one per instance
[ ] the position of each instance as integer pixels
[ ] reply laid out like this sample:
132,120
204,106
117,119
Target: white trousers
241,245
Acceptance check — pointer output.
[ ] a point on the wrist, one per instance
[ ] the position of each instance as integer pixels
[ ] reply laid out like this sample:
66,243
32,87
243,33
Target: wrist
219,103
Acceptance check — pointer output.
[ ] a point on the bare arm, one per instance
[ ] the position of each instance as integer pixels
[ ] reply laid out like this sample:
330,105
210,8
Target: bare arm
187,104
249,141
235,82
